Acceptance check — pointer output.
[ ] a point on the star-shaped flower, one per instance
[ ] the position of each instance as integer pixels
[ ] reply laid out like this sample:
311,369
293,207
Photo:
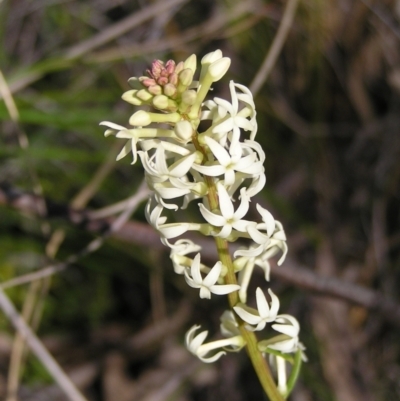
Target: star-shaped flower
121,132
195,345
207,285
227,164
228,219
290,328
179,250
264,314
156,165
235,120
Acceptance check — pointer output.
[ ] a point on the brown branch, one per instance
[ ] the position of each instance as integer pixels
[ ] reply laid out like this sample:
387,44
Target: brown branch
143,235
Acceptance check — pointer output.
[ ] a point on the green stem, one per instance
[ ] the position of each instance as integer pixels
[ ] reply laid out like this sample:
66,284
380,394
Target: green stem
259,363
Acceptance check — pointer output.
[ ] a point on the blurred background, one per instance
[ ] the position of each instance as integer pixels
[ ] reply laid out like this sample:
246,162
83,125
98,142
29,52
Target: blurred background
326,79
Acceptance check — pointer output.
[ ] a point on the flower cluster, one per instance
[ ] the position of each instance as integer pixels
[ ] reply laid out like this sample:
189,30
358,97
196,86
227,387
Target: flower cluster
221,168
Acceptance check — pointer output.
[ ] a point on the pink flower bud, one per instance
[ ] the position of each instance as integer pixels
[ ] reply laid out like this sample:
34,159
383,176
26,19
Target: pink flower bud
162,81
170,67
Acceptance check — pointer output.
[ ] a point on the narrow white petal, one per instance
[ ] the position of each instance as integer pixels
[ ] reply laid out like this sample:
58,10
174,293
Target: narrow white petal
268,219
161,162
197,341
213,275
224,289
289,330
212,171
173,230
167,191
257,185
274,304
242,225
245,162
244,205
229,178
212,358
225,126
225,231
182,166
214,219
233,96
243,123
125,150
285,346
262,303
190,282
218,151
195,269
248,253
256,236
190,334
246,316
225,203
112,125
224,104
254,169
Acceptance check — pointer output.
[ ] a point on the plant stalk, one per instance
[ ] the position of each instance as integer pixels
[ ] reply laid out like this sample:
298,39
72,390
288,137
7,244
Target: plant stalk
258,361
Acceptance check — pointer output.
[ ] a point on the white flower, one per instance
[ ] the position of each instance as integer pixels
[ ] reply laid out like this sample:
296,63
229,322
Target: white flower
268,225
207,285
227,164
179,250
290,328
134,136
228,219
156,165
195,345
235,121
170,230
153,214
270,243
247,97
121,132
265,313
278,243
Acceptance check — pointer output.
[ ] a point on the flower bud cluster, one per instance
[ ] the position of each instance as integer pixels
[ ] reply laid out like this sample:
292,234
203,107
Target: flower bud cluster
167,87
221,168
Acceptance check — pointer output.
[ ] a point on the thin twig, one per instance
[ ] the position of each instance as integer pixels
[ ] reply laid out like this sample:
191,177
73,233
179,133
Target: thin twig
276,47
142,193
210,28
39,350
17,351
121,27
